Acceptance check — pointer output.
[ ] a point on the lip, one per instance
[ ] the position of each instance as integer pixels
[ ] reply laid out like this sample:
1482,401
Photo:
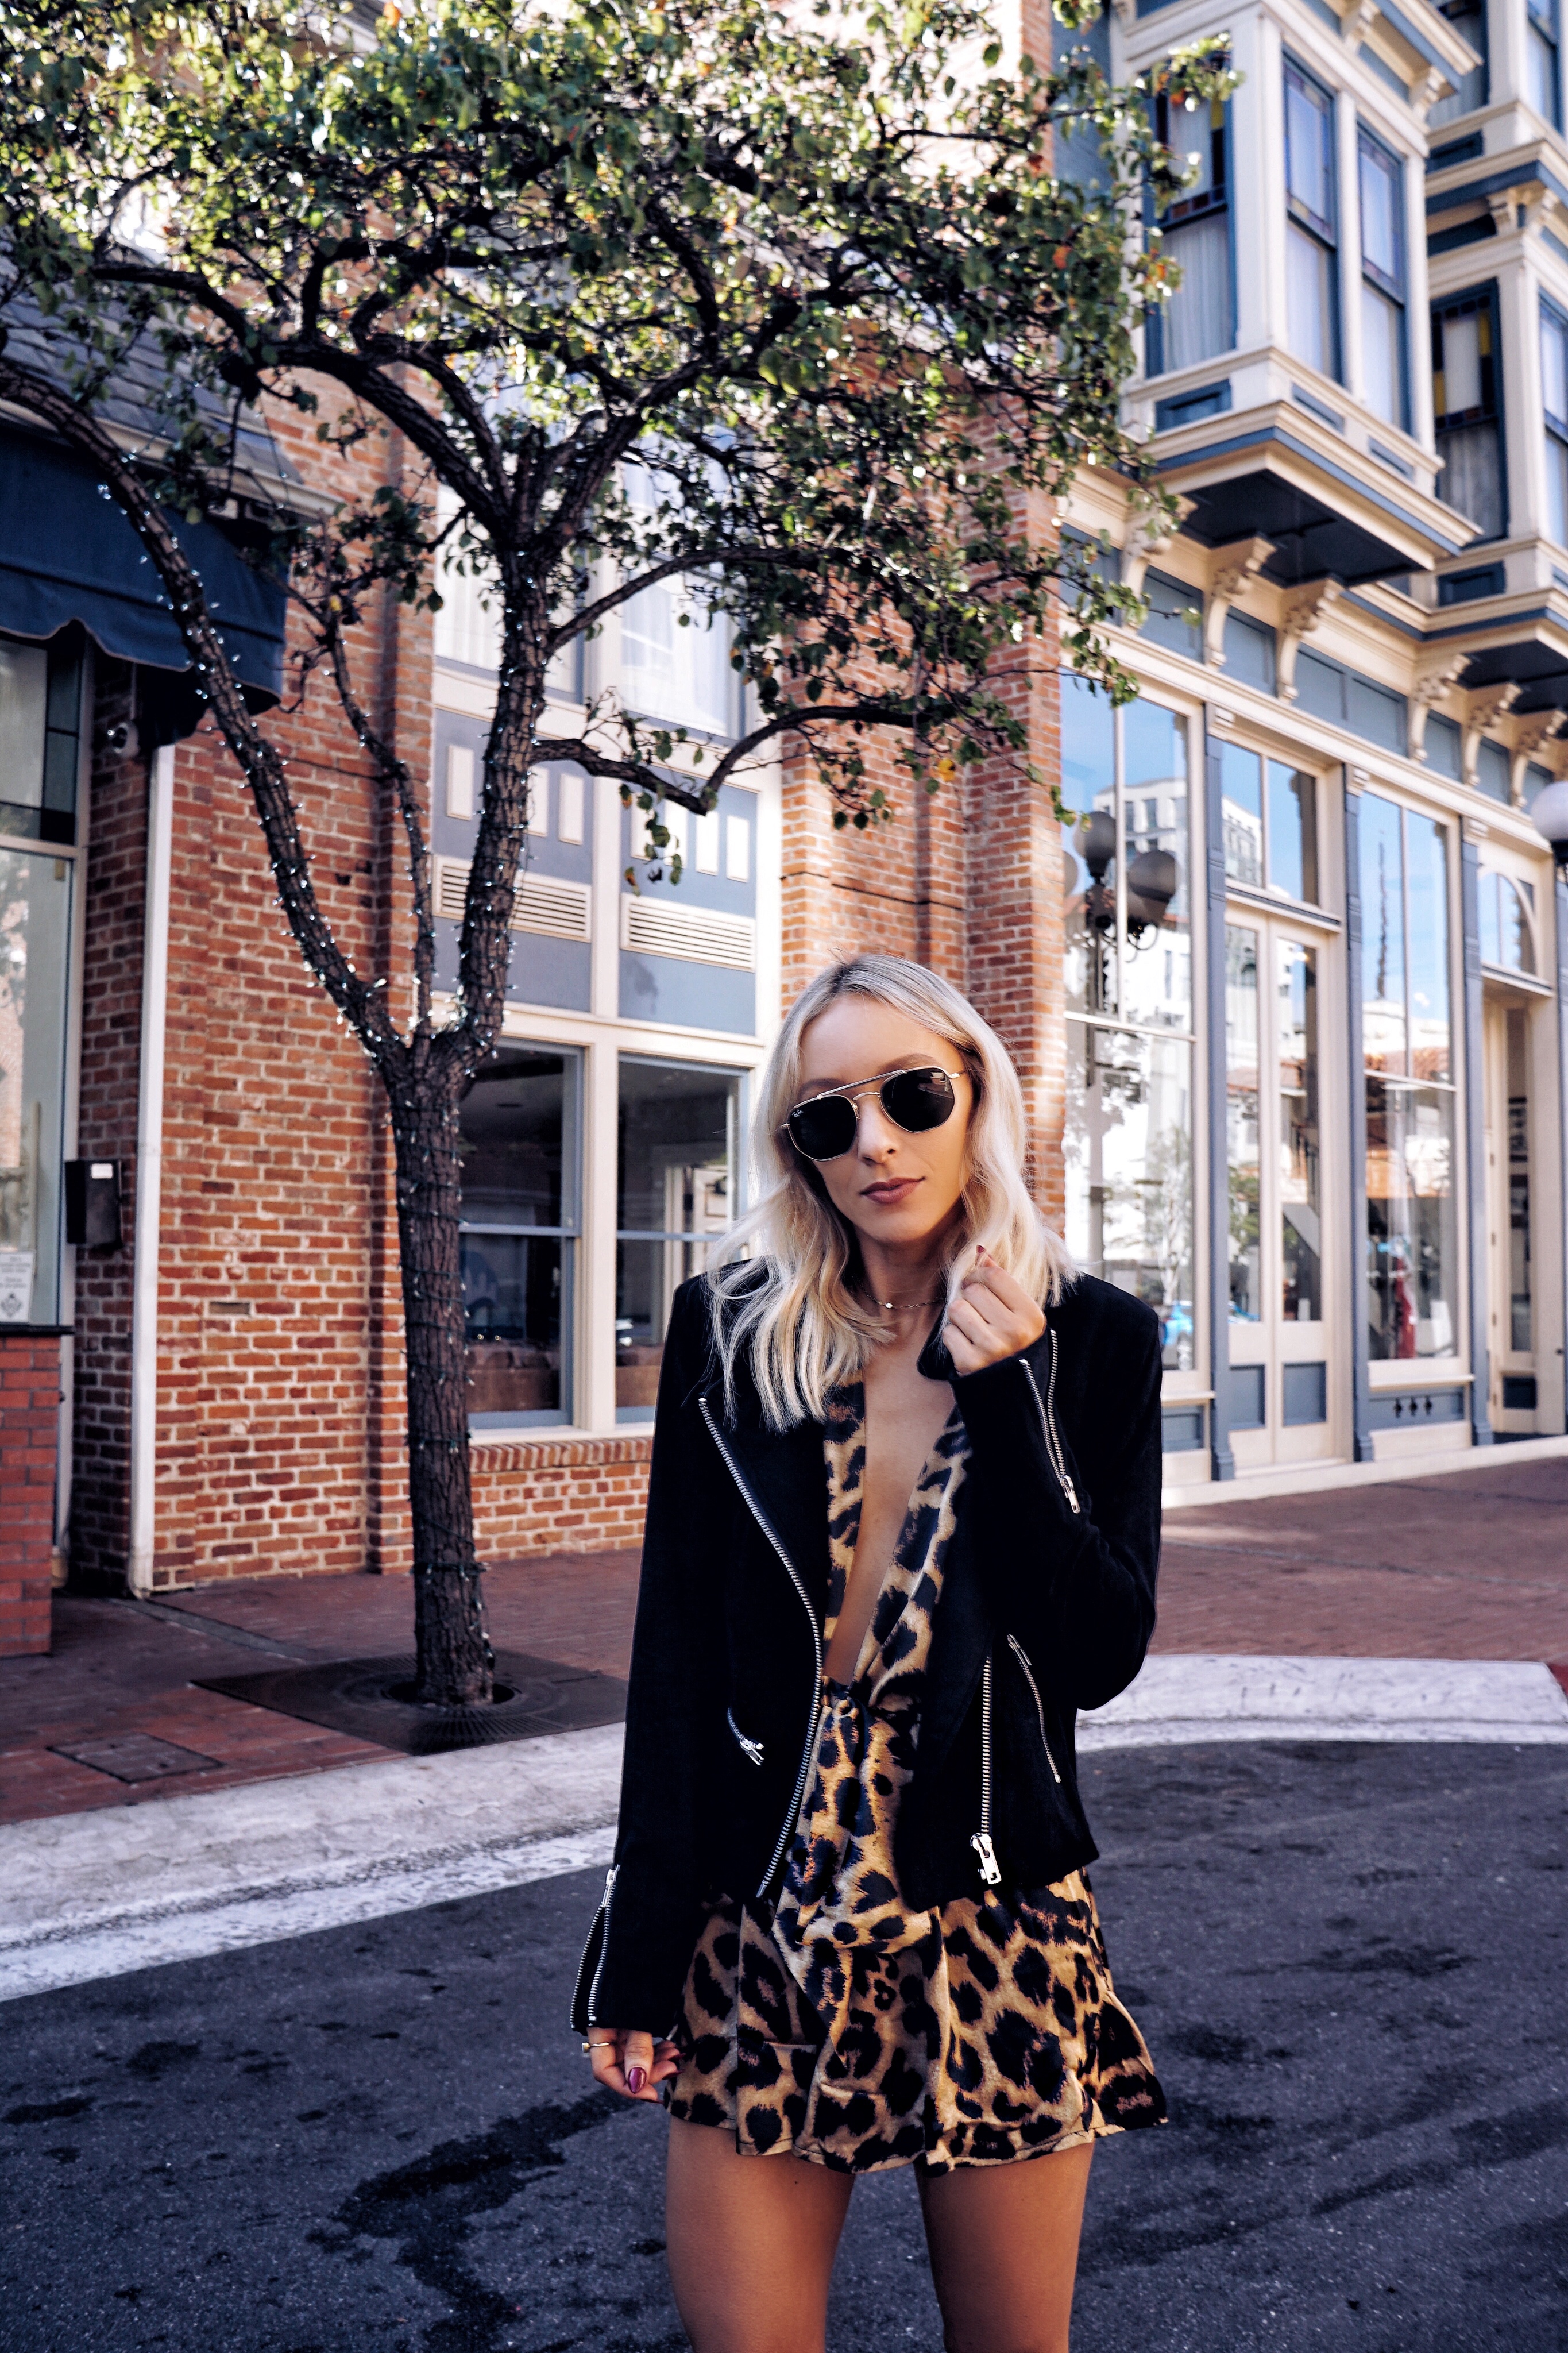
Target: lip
890,1192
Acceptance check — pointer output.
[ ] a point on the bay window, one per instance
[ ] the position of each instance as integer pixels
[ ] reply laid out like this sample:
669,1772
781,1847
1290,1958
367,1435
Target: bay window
1543,75
1197,322
1554,402
1466,397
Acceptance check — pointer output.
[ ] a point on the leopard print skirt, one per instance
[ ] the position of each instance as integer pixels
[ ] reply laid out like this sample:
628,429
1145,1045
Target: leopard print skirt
842,2027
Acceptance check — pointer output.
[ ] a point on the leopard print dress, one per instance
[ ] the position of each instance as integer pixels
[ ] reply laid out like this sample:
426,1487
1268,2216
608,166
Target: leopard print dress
849,2030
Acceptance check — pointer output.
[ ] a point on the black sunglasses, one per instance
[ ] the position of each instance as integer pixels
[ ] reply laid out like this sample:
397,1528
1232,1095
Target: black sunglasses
824,1127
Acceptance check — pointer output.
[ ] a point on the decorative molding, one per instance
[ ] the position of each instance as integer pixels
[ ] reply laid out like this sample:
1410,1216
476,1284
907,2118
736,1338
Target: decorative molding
1303,611
1485,706
1230,570
1531,737
1427,88
1434,681
1147,537
1358,21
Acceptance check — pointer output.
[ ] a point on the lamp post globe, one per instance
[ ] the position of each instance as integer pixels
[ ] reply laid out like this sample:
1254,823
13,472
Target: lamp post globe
1549,815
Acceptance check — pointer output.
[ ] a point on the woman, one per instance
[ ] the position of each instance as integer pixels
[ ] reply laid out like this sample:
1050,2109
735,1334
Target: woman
903,1520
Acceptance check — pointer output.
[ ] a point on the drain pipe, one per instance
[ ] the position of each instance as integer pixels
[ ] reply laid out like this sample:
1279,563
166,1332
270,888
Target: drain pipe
149,1174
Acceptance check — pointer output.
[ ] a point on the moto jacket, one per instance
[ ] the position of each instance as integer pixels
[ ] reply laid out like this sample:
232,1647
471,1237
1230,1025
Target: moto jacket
1046,1607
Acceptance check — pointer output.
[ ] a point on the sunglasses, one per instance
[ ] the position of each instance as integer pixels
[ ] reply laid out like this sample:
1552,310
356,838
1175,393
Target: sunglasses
825,1127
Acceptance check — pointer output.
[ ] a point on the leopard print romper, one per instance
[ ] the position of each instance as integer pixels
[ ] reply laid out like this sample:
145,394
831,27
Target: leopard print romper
859,2034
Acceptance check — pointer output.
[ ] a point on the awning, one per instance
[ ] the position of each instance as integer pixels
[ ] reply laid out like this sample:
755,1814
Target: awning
69,553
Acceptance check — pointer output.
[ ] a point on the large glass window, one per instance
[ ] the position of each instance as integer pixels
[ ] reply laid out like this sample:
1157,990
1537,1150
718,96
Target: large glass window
1311,298
1542,71
1128,1143
675,656
679,1131
520,1140
35,935
40,707
1465,398
1382,187
1554,401
1195,324
1269,814
1412,1241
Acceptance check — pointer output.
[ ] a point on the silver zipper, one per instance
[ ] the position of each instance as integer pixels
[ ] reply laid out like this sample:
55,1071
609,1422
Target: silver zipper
990,1869
1047,1407
794,1577
751,1749
603,1947
1023,1658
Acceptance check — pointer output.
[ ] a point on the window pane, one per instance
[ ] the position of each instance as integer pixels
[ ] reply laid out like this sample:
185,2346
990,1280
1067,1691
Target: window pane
1471,23
1460,338
1426,848
1383,935
1241,814
1299,1206
1310,298
1241,1120
1156,973
35,936
1309,175
516,1309
1293,831
1542,72
676,1151
1412,1235
1554,365
1129,1163
1557,489
1089,790
1470,479
24,685
1382,354
517,1137
1381,242
1197,317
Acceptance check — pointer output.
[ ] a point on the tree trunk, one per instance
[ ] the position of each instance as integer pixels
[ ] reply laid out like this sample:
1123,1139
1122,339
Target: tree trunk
453,1651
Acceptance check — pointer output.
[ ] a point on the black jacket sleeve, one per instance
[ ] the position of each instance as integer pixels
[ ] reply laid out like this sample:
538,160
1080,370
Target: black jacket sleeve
654,1909
1076,1586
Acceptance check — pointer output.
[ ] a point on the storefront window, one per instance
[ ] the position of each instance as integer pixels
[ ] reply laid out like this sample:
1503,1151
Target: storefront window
678,1130
1127,1143
35,935
1411,1261
40,708
520,1145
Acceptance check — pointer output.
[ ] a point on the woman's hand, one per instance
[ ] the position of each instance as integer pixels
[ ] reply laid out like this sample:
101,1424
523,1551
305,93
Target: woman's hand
630,2062
991,1317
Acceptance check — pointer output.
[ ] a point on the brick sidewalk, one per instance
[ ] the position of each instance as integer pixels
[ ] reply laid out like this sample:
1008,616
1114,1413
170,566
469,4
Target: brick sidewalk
1473,1565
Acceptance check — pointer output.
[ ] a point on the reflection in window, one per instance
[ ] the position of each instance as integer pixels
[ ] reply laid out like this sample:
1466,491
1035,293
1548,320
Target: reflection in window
35,945
1242,1122
678,1124
1130,997
1312,302
1129,1166
1300,1207
518,1140
1520,1335
1542,68
1554,402
1412,1261
1506,926
675,654
1268,818
1382,186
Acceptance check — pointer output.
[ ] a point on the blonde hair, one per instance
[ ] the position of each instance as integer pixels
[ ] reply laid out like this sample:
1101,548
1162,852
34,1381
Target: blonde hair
781,1290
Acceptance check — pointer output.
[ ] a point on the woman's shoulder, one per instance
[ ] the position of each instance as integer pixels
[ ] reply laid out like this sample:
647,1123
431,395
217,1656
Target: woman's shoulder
722,1291
1103,1315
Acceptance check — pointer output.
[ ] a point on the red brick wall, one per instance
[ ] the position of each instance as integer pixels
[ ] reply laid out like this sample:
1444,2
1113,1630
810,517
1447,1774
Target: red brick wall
29,1436
543,1495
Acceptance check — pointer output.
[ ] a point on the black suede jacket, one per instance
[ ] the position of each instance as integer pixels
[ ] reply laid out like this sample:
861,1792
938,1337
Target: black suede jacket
1047,1606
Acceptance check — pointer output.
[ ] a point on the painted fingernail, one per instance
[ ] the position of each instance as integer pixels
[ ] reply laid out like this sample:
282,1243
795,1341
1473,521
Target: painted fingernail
635,2078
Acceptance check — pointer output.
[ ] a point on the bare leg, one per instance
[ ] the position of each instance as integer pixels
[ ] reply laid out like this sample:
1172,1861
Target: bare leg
751,2243
1004,2251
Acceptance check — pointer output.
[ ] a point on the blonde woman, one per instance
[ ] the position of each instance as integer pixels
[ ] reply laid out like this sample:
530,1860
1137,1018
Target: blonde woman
903,1522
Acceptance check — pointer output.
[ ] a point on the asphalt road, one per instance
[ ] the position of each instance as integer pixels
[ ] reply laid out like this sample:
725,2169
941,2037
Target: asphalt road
1350,1963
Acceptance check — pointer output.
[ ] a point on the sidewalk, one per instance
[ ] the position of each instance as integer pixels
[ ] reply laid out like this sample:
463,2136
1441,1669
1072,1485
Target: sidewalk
1469,1566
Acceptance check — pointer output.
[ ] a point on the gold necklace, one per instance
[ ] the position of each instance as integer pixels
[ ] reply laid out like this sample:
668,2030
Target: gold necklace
900,1306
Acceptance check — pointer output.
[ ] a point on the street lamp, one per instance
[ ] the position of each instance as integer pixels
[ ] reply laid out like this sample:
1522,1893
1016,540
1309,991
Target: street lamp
1549,814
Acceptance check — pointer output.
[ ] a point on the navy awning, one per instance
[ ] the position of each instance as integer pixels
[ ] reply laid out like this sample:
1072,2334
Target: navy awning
69,553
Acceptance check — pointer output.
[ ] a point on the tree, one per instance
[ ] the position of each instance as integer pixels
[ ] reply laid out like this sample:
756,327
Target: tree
808,284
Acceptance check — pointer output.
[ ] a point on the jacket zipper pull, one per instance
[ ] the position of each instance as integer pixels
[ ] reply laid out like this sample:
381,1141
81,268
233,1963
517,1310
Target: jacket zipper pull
990,1869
